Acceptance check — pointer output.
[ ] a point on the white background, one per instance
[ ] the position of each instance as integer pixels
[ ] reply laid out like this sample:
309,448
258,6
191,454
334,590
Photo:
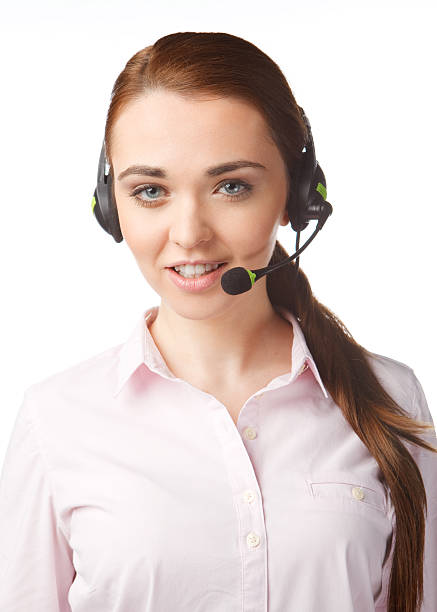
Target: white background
363,71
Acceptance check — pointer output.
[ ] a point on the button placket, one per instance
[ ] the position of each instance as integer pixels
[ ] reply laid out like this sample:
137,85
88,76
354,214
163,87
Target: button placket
249,514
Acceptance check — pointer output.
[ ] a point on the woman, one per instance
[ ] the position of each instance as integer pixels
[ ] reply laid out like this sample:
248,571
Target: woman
237,452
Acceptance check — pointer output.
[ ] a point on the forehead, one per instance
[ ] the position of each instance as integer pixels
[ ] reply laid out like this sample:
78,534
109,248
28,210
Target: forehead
170,124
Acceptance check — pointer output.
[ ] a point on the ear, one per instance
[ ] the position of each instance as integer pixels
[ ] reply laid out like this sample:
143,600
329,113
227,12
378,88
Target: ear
285,220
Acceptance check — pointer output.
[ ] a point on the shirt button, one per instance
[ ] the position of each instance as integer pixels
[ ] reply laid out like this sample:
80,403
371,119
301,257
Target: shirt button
249,433
357,492
248,496
253,540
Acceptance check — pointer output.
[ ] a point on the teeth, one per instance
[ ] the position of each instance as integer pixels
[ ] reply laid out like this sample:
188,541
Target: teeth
190,271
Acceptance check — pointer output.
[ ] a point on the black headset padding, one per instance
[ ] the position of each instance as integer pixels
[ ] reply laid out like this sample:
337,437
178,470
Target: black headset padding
105,208
306,171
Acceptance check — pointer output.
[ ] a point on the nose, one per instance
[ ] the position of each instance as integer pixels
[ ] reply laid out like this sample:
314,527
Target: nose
190,224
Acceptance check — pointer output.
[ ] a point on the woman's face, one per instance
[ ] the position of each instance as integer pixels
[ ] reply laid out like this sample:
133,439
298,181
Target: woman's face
191,212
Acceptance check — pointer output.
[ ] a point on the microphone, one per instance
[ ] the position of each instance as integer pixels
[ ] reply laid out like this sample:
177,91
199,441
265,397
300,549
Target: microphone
238,280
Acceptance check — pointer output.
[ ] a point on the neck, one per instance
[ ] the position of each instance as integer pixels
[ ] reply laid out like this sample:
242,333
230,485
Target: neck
224,346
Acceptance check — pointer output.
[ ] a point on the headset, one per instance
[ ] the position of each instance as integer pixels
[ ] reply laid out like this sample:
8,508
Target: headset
306,202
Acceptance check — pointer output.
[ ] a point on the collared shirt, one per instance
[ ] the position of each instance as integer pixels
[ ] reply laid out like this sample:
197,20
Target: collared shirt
127,489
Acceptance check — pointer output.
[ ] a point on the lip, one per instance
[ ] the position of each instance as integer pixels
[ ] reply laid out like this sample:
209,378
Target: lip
193,263
196,284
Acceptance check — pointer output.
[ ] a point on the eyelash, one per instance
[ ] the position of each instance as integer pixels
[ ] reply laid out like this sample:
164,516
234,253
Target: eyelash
144,203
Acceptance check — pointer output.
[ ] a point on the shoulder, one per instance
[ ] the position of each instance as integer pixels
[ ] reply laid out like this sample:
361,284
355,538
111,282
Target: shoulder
403,385
397,378
84,383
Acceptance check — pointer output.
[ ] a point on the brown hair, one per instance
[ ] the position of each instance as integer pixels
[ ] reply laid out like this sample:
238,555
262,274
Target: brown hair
221,64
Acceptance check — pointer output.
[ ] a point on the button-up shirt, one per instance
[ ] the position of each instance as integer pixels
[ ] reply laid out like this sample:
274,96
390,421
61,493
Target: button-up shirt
126,489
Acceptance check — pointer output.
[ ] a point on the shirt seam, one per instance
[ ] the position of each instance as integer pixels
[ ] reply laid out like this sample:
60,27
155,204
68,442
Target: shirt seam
415,405
32,423
415,410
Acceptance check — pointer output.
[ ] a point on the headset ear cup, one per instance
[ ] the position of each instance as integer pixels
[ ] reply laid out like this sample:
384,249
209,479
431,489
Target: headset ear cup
318,206
96,208
104,207
318,191
105,210
296,203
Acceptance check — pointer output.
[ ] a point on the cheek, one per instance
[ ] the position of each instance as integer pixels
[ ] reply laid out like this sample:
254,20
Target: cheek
133,222
141,238
256,236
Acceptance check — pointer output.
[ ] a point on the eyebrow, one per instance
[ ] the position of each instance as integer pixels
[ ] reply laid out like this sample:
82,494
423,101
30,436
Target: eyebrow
212,171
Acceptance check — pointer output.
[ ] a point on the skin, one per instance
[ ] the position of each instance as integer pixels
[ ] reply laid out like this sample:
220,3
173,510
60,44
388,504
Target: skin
192,217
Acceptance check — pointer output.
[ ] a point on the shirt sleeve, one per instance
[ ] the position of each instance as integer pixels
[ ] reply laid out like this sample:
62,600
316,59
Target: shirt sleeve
427,463
36,568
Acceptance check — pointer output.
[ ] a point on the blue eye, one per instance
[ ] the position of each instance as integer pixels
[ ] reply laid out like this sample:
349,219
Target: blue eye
145,188
240,194
144,201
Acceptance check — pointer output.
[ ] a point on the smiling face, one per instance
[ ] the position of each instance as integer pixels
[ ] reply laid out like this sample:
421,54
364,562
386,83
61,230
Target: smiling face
190,210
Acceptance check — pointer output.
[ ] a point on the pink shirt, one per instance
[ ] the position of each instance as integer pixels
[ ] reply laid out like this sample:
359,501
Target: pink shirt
126,489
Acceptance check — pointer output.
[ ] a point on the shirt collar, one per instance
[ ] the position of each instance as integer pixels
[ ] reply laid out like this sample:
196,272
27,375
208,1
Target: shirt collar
140,348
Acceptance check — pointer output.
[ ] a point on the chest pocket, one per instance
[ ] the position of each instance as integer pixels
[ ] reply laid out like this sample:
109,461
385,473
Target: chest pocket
359,494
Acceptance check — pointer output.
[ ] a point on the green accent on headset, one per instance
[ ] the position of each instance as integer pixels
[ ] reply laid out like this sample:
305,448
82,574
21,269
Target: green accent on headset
252,276
93,203
322,190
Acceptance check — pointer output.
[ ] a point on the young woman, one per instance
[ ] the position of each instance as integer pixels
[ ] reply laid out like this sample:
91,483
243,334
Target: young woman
237,452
